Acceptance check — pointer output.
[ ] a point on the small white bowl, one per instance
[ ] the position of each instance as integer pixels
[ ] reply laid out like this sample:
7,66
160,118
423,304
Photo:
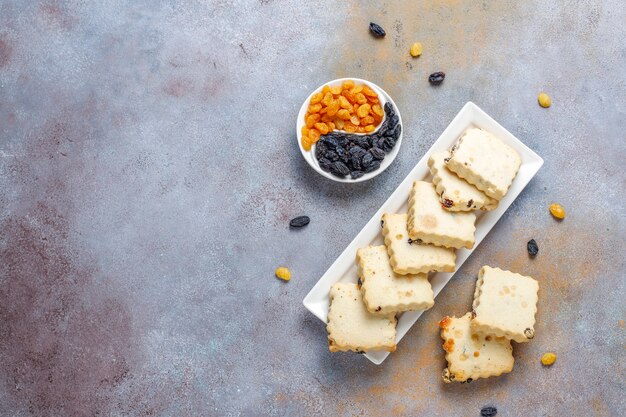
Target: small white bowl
309,156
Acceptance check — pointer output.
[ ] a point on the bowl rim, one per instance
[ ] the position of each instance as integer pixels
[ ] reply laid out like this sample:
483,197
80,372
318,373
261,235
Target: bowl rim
309,156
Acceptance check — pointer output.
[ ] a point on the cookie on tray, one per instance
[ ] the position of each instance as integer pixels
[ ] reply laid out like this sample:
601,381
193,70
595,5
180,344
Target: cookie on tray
470,355
429,222
352,327
456,194
407,256
384,291
505,304
485,161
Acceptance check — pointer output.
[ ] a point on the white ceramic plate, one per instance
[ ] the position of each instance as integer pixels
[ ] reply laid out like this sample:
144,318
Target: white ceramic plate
344,268
309,156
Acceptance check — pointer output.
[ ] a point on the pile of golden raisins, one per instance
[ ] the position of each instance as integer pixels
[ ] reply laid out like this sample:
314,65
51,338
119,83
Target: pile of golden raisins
353,108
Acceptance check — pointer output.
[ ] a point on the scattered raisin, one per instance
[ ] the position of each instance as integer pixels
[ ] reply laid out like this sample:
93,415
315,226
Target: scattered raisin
299,221
447,203
548,359
283,273
532,247
377,31
416,49
557,211
488,412
469,203
436,78
544,100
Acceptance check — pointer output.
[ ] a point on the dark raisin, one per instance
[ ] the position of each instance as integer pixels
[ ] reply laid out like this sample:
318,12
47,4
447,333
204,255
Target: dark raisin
377,153
339,169
376,30
469,203
331,142
356,174
446,160
331,155
436,78
529,333
388,144
325,164
396,131
416,241
299,221
355,162
359,283
379,308
372,167
367,160
488,412
532,247
357,150
447,203
388,108
363,143
343,155
320,149
393,120
382,223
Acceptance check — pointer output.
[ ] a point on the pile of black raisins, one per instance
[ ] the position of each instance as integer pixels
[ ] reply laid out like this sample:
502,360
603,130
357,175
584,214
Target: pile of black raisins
344,154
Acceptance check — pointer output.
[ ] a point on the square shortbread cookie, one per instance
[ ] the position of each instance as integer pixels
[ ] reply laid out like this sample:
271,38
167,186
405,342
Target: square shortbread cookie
431,223
386,292
410,257
352,327
505,304
471,356
455,193
485,161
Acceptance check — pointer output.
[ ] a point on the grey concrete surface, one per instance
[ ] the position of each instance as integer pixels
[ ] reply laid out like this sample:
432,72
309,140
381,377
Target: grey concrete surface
148,171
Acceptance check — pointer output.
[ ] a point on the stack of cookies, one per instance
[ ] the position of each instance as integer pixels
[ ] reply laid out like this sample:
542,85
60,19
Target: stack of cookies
475,174
478,345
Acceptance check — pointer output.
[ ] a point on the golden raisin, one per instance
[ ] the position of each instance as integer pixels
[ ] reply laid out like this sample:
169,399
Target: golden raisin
283,273
367,120
335,90
363,110
360,98
416,49
314,135
544,100
356,89
369,92
347,94
373,100
344,103
376,108
347,85
328,97
315,108
548,358
331,126
349,127
369,128
312,119
322,127
557,210
327,118
306,144
305,131
360,129
338,123
355,120
325,89
316,98
343,114
332,108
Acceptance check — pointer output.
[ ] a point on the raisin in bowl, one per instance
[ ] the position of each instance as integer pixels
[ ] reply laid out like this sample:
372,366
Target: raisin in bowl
361,143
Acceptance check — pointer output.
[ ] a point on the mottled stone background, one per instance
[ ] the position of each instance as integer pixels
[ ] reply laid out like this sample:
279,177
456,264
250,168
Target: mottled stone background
148,171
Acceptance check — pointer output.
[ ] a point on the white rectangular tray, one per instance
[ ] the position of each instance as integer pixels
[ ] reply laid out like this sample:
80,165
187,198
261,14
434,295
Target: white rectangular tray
344,268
